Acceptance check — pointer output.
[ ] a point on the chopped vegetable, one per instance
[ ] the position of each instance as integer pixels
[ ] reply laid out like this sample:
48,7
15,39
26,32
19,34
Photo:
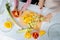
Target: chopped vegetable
30,18
8,24
42,32
24,30
42,18
15,13
35,35
27,35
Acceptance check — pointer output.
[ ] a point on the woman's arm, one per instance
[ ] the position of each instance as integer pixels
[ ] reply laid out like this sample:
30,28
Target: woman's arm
25,6
41,3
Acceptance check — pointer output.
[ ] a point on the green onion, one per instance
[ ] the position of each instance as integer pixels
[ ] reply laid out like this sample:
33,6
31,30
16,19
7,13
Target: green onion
8,7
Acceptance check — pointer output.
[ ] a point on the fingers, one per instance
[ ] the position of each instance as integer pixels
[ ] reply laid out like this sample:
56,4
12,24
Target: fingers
48,17
21,12
40,5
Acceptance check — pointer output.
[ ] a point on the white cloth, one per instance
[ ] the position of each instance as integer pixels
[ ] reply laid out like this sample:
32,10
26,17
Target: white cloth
51,3
54,5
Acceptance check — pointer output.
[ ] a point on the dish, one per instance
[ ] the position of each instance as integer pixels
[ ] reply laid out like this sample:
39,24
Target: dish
31,19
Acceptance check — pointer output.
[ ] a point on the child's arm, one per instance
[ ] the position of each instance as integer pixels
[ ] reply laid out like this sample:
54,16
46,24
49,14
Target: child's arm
25,6
41,3
16,2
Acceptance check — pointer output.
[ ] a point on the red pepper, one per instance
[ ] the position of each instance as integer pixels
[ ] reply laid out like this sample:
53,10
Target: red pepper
35,35
15,13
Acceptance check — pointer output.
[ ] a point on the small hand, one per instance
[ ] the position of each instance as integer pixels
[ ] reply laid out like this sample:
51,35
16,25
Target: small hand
40,5
48,17
16,13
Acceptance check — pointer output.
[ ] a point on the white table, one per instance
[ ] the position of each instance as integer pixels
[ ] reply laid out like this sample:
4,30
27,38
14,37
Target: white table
19,36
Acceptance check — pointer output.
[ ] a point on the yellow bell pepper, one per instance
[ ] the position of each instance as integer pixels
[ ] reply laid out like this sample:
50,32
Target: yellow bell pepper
27,35
42,32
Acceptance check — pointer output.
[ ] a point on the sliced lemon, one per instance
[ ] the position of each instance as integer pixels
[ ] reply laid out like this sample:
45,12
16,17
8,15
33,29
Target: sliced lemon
8,24
28,35
42,32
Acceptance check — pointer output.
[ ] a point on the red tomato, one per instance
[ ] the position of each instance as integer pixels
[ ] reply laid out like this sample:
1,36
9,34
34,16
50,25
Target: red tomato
15,13
35,35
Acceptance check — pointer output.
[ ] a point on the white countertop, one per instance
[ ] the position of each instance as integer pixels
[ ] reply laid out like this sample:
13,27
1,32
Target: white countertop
19,36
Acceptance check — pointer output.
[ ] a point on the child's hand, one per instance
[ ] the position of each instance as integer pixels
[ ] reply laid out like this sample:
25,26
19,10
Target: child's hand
41,3
48,17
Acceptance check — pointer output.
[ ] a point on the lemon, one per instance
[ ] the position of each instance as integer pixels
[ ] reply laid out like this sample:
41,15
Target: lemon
42,32
27,35
8,24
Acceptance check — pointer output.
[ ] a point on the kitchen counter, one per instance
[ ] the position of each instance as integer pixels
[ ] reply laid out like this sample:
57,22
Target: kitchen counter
20,36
